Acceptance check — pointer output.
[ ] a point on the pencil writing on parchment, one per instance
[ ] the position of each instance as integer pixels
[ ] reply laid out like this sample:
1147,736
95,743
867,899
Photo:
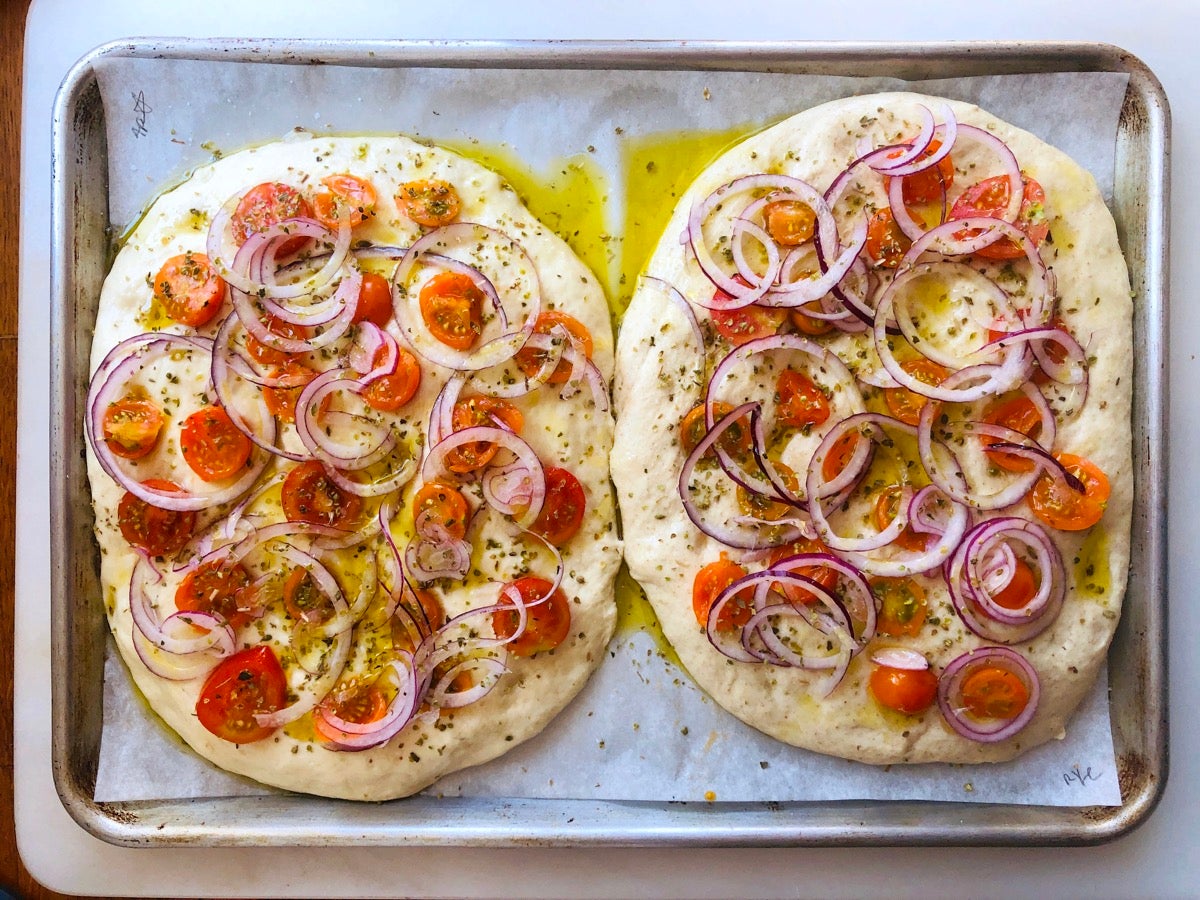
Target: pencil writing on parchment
1080,776
140,110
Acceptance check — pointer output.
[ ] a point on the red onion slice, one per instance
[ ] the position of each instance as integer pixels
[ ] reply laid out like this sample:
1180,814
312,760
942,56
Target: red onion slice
900,658
950,694
435,463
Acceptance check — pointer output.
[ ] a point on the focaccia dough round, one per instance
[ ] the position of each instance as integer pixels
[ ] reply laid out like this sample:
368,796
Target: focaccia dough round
573,432
661,375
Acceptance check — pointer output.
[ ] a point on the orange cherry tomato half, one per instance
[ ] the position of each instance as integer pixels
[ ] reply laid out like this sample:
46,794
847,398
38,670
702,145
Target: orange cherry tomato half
1020,589
429,203
735,440
563,509
390,392
908,691
341,195
709,583
269,356
789,222
430,614
374,300
994,692
241,685
906,405
822,575
886,506
310,495
269,204
740,326
928,185
547,623
761,506
281,400
805,323
1062,507
214,587
189,289
886,243
480,411
303,600
212,445
801,403
530,360
839,455
439,503
132,426
902,606
157,531
990,198
452,307
1018,413
360,704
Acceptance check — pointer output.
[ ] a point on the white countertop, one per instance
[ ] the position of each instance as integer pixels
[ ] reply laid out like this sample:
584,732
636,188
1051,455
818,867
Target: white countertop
1153,861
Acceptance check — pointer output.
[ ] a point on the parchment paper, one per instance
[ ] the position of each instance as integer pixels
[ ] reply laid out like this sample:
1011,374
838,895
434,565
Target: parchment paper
640,730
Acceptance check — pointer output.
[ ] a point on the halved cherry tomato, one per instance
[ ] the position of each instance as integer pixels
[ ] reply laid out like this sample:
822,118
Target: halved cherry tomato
822,575
374,300
993,692
761,506
886,506
439,503
214,587
1061,507
359,704
390,392
310,495
212,445
530,361
709,583
547,623
132,426
452,307
735,440
1018,413
429,203
990,198
906,405
241,685
839,455
430,614
302,599
269,356
157,531
269,204
801,403
740,326
928,185
902,606
189,289
480,411
1020,589
909,691
806,324
344,194
563,508
281,400
789,222
886,243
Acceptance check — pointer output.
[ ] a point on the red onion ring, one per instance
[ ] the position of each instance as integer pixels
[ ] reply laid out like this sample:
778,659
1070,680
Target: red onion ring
950,689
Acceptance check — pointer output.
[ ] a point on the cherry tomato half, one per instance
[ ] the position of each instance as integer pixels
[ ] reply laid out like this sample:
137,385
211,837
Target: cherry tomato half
801,403
269,204
157,531
390,392
474,411
789,222
886,243
562,510
132,426
189,289
310,495
822,575
440,504
452,308
547,622
740,326
212,445
906,405
990,198
709,583
1062,507
214,587
909,691
374,300
530,360
928,185
887,504
241,685
1018,413
902,606
994,692
344,194
735,440
429,203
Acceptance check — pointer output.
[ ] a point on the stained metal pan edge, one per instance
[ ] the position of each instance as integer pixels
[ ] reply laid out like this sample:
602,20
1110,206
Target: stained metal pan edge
1138,682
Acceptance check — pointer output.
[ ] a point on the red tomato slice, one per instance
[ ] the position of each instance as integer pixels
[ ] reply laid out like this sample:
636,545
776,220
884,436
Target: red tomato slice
822,575
1061,507
241,685
909,691
344,193
362,704
429,203
132,426
269,204
310,495
990,198
443,505
302,599
927,186
1018,413
1020,590
547,623
212,445
739,326
157,531
281,401
390,392
709,583
563,509
213,587
735,440
189,289
886,243
480,411
801,403
530,361
269,356
374,300
452,307
839,455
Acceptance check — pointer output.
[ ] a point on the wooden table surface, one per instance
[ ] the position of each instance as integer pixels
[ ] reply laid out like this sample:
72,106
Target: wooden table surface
13,877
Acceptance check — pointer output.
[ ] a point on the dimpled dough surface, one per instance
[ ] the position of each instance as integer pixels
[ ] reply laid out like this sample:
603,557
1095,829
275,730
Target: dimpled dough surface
660,376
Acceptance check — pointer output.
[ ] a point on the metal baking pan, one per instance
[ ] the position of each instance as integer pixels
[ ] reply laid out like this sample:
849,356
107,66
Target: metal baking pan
1137,659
